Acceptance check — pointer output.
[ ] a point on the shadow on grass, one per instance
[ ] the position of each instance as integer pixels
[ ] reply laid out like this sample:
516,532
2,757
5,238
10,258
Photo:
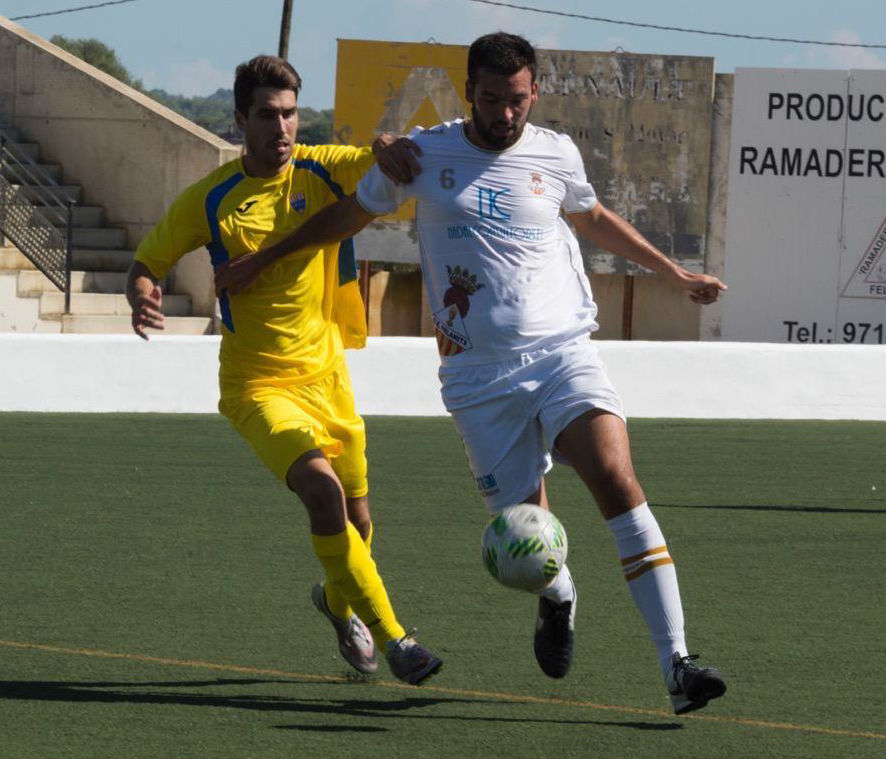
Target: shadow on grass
135,693
750,507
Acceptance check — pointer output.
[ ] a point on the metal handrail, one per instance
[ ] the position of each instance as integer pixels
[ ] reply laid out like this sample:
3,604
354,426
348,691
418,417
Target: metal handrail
35,175
31,227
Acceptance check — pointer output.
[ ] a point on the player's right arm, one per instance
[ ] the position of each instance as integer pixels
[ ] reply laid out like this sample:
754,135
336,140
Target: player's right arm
182,229
145,299
376,195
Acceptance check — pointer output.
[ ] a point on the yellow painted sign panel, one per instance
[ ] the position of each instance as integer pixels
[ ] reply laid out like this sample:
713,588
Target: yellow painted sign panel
394,86
641,122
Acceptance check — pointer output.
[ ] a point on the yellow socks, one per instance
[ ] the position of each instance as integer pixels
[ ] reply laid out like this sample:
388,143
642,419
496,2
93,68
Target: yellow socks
335,601
351,575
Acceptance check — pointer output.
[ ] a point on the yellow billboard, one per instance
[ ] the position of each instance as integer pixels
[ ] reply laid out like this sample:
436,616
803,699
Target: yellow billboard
642,123
394,86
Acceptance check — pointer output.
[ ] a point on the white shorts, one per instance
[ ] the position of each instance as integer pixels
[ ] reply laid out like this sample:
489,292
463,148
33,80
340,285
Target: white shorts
509,414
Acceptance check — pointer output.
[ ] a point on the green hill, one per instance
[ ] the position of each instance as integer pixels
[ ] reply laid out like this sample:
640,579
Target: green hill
215,113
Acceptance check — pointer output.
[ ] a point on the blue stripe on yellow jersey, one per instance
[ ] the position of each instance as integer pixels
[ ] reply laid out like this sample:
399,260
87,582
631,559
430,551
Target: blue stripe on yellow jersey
217,252
347,258
291,326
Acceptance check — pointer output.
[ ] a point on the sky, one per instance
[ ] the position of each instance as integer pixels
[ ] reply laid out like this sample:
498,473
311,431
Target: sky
191,47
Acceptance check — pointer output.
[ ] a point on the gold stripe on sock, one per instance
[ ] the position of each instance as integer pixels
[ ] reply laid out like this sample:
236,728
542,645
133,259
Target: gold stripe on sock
647,566
651,552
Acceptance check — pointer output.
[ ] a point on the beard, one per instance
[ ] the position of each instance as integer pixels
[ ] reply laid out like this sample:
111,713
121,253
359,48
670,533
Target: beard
497,141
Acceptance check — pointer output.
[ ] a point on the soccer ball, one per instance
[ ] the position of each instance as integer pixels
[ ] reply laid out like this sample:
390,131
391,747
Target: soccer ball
524,547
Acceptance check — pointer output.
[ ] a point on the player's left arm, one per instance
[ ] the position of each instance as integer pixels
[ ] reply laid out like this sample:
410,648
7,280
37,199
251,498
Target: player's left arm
607,230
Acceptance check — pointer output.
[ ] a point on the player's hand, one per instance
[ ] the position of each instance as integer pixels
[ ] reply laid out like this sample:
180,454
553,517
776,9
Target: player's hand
238,274
396,157
146,312
703,288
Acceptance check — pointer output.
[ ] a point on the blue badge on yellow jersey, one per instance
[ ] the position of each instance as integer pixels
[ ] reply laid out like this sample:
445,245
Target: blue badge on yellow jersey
298,202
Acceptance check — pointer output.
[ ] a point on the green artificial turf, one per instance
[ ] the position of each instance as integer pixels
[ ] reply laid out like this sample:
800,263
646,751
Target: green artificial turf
155,602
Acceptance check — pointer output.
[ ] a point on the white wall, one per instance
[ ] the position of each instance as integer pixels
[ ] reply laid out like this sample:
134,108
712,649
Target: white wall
397,375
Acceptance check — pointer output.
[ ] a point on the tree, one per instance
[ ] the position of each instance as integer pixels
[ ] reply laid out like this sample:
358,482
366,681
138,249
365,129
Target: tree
314,127
98,54
214,112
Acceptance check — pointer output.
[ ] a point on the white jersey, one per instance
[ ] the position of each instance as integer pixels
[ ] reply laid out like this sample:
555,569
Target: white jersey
503,271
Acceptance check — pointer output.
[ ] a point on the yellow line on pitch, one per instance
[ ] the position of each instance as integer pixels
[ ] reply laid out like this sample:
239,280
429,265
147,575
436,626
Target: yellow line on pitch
494,695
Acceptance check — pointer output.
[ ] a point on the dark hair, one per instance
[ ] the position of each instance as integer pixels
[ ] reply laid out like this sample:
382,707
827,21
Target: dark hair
501,53
263,71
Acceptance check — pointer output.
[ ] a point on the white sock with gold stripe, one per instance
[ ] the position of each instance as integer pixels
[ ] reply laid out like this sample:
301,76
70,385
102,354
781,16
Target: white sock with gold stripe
652,579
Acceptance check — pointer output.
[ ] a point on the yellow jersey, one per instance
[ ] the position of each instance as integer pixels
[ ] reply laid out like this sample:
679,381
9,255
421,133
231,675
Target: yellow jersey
292,325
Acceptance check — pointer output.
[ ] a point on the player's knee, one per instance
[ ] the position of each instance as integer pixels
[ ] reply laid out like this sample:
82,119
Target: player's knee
324,501
319,489
616,484
315,483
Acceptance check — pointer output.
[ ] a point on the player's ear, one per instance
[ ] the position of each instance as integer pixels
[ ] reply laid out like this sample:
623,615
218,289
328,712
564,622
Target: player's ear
240,120
469,91
534,96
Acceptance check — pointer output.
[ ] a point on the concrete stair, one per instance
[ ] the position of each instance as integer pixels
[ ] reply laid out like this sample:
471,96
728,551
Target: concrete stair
40,195
52,170
104,238
32,283
81,216
29,149
100,261
29,302
21,314
84,259
11,259
90,324
52,304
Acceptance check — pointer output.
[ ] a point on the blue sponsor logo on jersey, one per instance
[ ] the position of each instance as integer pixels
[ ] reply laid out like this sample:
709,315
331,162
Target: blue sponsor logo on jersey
487,204
475,231
298,202
487,484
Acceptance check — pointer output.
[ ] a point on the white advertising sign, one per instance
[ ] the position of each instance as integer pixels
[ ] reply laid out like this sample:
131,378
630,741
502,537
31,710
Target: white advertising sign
806,214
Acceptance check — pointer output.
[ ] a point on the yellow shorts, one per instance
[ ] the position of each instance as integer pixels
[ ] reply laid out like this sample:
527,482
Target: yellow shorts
283,423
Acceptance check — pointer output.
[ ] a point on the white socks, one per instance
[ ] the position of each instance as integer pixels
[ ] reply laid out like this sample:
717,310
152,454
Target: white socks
652,579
